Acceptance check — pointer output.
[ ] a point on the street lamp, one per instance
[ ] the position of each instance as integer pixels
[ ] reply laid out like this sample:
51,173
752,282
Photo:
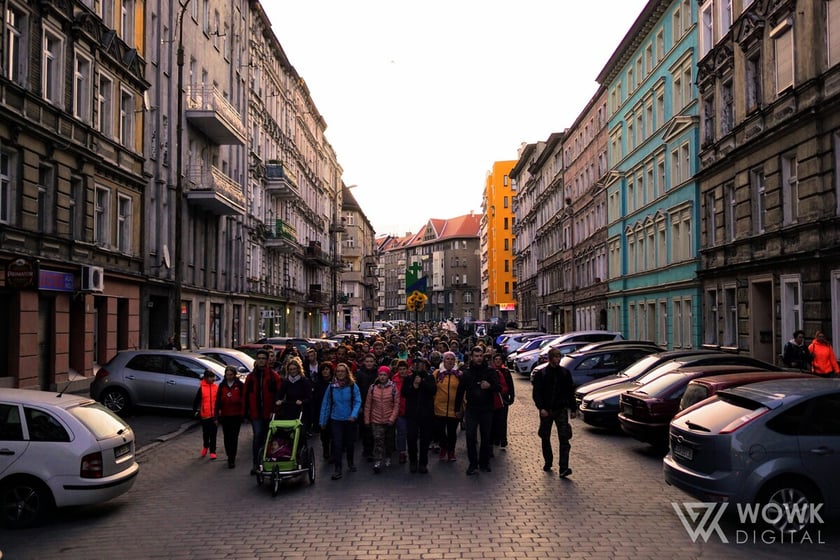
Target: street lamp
179,181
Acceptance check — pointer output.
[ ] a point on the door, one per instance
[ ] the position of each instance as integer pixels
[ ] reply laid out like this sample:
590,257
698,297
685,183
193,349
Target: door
819,444
144,377
182,382
761,317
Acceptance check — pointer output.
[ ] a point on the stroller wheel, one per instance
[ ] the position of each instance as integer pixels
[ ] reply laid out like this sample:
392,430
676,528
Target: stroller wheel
276,488
311,466
259,478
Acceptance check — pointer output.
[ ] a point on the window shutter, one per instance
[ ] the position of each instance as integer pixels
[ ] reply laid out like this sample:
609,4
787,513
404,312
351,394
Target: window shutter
784,60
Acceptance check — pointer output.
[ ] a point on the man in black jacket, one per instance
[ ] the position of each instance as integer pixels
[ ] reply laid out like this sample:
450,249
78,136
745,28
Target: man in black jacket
480,383
554,396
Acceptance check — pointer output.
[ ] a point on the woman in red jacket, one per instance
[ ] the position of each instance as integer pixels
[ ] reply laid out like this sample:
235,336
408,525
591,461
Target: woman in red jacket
823,359
230,409
204,407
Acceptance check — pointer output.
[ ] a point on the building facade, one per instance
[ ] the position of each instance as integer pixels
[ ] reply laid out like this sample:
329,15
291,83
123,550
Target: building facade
653,210
498,283
525,210
359,279
769,85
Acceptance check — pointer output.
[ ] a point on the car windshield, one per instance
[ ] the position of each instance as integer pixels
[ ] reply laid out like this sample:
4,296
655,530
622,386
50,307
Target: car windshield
657,372
636,368
533,344
99,420
661,385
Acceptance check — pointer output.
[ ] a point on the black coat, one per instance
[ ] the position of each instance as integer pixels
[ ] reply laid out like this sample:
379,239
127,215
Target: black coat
478,399
420,402
553,388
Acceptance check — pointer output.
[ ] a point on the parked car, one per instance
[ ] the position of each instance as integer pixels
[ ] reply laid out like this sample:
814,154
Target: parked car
528,346
279,344
774,442
601,407
613,343
153,378
59,450
704,387
357,335
595,364
646,411
567,343
513,342
379,326
243,362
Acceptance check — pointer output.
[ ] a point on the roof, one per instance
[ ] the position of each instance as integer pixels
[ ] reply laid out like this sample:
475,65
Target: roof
51,398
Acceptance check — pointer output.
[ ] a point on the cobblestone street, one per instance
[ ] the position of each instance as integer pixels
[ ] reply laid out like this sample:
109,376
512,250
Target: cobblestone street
615,505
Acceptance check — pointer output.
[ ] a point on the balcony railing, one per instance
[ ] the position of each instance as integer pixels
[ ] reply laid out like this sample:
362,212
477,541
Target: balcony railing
279,181
314,255
214,191
209,111
282,238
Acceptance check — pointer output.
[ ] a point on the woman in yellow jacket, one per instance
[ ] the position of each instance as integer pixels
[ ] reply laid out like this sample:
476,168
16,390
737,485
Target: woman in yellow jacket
448,377
823,359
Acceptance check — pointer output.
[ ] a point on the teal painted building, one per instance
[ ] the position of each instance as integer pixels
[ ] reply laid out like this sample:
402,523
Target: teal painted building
653,209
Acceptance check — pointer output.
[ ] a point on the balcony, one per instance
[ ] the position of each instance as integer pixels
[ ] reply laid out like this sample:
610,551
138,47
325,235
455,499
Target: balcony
315,295
281,238
212,114
314,255
214,191
279,181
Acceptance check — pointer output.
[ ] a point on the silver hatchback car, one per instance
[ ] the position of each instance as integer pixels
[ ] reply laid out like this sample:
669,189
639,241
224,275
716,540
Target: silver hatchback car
773,442
154,378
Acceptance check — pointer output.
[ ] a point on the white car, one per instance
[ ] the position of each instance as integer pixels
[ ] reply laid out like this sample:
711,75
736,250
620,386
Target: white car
59,450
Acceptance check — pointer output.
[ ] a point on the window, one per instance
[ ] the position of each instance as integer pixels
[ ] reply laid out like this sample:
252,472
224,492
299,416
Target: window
725,20
43,427
727,112
82,88
782,36
51,66
660,45
660,108
681,237
101,225
75,207
127,21
711,222
507,288
124,224
708,119
682,323
507,244
791,304
106,12
729,212
506,223
506,202
832,26
759,200
752,81
710,318
46,190
126,134
706,28
660,175
105,122
730,317
6,161
507,265
16,55
790,190
661,243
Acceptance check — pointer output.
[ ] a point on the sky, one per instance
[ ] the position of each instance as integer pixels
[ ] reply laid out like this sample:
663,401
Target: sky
420,98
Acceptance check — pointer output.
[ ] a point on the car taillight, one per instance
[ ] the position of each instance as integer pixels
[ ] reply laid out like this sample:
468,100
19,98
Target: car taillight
742,421
91,465
102,373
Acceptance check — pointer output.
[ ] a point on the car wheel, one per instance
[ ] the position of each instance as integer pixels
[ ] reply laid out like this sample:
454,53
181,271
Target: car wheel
116,400
790,497
24,502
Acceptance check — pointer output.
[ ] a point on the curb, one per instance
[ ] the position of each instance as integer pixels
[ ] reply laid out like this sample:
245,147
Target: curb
166,437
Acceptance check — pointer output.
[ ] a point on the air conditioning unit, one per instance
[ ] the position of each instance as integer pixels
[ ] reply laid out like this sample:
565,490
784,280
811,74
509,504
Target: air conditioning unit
93,279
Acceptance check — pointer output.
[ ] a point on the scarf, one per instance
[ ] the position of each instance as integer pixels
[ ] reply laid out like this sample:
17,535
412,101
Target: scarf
293,379
443,373
339,383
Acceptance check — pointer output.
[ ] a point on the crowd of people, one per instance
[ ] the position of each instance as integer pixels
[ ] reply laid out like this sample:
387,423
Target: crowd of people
401,395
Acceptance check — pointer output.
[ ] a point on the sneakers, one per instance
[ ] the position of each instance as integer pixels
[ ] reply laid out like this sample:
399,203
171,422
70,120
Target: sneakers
471,470
565,472
442,456
204,451
388,462
547,468
403,457
212,456
377,467
452,458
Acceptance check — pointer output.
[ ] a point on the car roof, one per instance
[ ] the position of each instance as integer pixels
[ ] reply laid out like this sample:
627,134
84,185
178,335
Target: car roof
724,380
608,343
581,353
774,393
47,398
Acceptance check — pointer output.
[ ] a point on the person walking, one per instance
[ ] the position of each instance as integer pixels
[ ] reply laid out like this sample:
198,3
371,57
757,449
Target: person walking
382,407
506,396
295,394
823,358
322,383
419,392
477,387
261,388
554,397
340,408
204,406
795,353
230,410
366,375
401,426
448,377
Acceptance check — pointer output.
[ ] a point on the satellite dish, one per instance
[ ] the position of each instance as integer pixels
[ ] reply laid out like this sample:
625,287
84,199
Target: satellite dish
166,261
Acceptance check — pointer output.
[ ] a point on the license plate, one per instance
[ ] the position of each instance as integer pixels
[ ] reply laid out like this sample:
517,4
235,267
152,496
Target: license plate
683,451
122,450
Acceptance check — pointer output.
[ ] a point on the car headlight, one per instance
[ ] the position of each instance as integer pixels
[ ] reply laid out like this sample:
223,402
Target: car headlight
594,405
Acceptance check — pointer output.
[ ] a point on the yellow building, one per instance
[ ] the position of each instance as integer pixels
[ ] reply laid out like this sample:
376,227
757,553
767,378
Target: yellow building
497,280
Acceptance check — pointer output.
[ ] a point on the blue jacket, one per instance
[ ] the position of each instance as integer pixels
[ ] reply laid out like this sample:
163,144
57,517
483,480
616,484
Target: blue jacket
340,403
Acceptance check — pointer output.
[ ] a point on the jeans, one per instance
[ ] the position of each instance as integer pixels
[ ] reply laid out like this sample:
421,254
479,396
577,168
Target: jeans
447,429
475,422
230,433
401,427
344,439
419,429
559,418
260,429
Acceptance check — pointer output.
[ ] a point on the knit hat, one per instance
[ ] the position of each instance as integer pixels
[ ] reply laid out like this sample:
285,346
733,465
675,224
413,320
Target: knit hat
384,369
